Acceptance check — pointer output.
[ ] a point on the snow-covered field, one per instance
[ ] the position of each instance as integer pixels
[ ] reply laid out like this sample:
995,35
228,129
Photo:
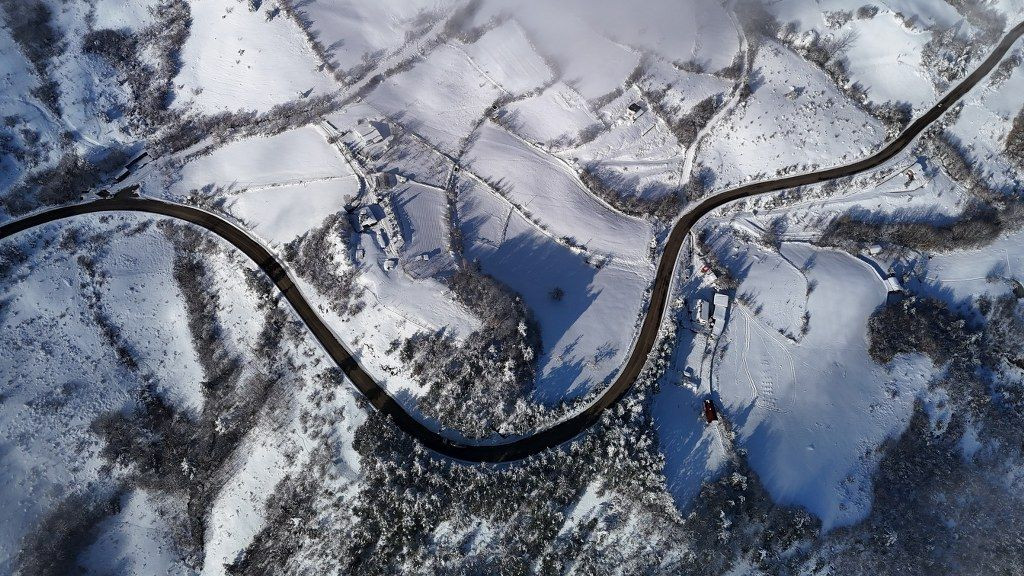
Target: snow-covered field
796,120
246,61
985,120
281,186
487,112
812,413
422,213
355,33
587,333
505,57
885,52
557,112
59,373
550,191
442,97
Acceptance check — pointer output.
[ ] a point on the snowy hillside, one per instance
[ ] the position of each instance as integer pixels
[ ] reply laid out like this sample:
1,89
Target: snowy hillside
490,287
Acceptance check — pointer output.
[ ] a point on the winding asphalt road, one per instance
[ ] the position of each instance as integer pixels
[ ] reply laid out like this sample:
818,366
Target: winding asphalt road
567,429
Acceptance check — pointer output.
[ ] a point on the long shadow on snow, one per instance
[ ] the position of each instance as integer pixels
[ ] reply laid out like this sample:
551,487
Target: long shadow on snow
533,266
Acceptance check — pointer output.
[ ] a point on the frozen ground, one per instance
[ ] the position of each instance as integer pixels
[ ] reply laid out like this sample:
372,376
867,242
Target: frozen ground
441,98
505,56
285,186
886,52
984,122
281,186
809,410
16,101
422,213
812,411
550,191
586,334
59,373
795,120
694,451
557,112
246,61
365,31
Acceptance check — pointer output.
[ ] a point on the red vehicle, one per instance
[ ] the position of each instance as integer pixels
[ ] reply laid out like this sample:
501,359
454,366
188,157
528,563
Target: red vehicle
710,414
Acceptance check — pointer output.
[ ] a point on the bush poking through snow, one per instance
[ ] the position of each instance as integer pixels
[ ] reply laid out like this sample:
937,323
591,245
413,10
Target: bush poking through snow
1014,148
151,80
72,176
312,255
415,512
218,129
978,226
915,324
478,385
664,208
162,448
67,530
31,25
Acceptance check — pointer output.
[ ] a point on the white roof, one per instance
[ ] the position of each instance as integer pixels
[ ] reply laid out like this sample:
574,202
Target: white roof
368,131
721,305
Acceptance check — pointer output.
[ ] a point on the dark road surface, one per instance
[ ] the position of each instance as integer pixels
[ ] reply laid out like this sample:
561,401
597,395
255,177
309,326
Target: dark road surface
567,429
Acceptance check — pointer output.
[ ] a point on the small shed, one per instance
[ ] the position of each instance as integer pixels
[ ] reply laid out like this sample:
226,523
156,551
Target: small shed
136,160
367,219
892,284
382,239
710,413
634,110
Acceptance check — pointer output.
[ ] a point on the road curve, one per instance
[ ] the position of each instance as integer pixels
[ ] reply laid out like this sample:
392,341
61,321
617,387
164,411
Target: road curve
564,430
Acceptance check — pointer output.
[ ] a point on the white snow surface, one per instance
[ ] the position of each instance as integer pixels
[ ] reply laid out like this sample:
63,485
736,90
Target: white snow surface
441,97
586,335
241,60
357,31
811,411
59,374
775,134
557,112
504,55
547,188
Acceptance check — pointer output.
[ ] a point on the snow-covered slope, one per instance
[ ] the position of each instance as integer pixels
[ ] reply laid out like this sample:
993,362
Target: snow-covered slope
484,187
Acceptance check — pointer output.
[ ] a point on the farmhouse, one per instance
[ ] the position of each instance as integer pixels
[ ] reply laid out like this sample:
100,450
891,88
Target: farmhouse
634,110
367,219
371,132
